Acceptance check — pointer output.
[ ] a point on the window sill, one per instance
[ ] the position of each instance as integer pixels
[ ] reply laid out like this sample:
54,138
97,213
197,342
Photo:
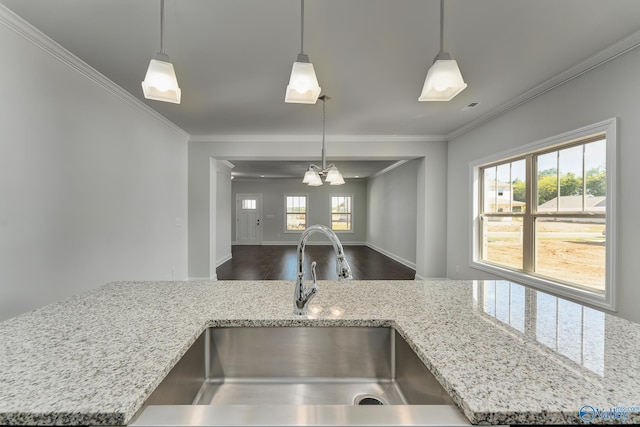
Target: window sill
603,301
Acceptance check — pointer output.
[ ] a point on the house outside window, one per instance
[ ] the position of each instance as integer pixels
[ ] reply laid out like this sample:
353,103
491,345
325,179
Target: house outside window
543,216
295,207
342,212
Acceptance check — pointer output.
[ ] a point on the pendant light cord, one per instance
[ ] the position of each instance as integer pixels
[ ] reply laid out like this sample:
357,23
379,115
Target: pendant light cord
161,26
301,26
324,120
441,25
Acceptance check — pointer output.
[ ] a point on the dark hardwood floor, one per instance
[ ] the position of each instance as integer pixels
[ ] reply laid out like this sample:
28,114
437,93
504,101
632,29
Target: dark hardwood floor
279,263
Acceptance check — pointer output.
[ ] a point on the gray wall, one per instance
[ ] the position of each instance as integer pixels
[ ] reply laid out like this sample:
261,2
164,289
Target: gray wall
319,208
392,212
605,92
93,186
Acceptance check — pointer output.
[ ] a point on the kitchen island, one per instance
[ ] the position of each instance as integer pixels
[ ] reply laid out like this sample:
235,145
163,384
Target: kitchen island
506,354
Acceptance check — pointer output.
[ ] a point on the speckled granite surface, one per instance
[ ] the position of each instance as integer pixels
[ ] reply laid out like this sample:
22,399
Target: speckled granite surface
507,354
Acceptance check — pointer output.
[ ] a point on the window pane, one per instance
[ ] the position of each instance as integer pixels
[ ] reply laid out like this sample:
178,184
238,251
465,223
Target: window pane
571,251
571,185
296,221
518,186
503,187
341,222
490,193
547,174
249,204
595,164
341,213
503,241
296,215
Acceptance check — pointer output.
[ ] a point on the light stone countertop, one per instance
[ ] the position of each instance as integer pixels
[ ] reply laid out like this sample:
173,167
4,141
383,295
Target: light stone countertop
507,354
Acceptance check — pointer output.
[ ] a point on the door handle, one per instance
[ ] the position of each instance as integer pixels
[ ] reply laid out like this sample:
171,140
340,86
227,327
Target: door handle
258,222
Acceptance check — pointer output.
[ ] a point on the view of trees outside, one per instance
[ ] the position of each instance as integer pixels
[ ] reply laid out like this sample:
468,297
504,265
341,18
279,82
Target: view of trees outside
570,184
569,249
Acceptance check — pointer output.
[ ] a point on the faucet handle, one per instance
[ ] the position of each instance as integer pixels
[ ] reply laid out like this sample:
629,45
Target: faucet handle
313,272
343,269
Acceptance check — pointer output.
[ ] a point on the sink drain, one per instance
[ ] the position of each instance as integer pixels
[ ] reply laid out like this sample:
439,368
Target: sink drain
368,399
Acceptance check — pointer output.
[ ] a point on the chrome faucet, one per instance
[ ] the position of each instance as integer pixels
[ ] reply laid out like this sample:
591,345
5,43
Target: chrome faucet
303,294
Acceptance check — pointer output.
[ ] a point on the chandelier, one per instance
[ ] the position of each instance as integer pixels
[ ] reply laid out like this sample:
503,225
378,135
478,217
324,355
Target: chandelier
313,176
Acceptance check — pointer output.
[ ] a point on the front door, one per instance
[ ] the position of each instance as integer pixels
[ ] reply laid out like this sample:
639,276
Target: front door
248,218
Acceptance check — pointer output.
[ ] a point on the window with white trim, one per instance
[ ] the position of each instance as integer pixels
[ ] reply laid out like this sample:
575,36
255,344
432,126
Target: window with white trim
543,216
295,212
342,212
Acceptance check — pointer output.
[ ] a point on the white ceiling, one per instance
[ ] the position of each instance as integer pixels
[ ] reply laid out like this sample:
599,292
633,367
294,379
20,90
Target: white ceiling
233,57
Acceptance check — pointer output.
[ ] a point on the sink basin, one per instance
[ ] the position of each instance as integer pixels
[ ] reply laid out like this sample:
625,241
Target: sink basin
300,376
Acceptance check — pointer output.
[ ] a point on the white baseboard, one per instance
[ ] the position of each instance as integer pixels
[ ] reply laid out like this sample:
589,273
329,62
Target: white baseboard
419,277
198,279
224,259
319,243
279,243
411,265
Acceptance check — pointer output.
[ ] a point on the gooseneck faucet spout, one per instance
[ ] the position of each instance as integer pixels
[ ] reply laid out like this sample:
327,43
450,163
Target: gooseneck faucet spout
303,294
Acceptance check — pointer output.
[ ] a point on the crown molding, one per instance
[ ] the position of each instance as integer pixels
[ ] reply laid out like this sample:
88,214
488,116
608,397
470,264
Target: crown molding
315,138
227,164
610,53
28,32
389,168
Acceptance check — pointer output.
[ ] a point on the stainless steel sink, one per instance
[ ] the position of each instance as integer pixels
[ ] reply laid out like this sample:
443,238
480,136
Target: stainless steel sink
300,376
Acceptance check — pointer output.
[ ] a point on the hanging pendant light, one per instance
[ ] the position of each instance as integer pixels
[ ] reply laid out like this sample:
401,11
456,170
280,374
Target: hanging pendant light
444,80
303,85
160,82
313,175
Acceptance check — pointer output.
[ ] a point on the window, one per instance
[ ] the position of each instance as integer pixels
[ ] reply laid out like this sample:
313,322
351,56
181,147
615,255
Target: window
248,204
295,212
341,212
543,216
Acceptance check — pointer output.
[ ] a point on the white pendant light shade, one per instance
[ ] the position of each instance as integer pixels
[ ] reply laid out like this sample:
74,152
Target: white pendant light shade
337,181
312,178
303,85
444,79
160,82
334,177
443,82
